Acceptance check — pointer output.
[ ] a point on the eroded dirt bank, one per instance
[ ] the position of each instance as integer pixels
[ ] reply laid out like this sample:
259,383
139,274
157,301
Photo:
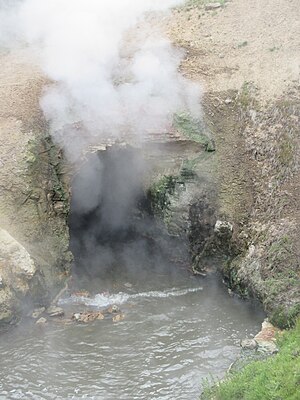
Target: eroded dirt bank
246,55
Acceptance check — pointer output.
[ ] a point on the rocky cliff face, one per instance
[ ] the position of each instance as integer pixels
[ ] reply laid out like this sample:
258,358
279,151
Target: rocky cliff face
33,194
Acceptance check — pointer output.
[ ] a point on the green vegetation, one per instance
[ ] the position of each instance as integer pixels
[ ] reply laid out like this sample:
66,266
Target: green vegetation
243,44
246,95
201,3
276,378
286,151
159,193
193,129
43,155
274,48
285,318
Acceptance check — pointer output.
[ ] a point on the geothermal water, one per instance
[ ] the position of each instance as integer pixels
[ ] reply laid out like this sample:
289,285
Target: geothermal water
178,329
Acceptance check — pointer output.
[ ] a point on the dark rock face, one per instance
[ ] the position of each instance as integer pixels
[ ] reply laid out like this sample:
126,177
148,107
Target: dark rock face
202,215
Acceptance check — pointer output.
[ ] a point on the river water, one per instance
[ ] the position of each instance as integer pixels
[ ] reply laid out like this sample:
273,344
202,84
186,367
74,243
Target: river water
177,330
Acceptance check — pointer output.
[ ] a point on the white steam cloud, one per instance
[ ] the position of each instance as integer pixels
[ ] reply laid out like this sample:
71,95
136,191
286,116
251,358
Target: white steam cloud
113,73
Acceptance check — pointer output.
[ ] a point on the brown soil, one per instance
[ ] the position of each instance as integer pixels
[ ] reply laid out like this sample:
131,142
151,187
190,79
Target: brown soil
243,41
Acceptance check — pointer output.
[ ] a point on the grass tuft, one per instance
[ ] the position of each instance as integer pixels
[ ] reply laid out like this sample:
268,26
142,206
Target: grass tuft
276,378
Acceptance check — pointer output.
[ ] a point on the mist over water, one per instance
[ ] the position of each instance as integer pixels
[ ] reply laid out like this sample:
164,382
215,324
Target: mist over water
177,330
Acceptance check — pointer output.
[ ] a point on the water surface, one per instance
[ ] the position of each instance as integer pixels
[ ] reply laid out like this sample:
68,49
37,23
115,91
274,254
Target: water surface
177,330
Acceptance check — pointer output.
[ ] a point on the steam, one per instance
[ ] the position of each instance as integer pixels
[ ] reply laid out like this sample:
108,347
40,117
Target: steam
113,73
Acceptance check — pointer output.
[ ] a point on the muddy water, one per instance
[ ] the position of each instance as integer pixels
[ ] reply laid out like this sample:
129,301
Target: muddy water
177,330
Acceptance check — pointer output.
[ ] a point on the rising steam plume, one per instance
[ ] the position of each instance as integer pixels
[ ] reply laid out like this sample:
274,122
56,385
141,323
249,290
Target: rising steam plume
113,72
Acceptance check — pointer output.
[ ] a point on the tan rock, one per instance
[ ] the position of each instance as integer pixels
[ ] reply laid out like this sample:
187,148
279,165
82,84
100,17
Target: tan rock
41,321
266,338
118,317
88,316
17,270
54,311
37,312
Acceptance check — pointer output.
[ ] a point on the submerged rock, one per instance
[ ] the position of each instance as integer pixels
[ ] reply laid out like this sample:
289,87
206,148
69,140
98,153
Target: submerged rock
128,285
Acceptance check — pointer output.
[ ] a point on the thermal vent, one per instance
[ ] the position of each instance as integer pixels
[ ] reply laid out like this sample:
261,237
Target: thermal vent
109,220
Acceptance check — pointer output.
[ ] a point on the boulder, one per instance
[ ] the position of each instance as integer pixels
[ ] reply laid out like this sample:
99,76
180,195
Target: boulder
17,270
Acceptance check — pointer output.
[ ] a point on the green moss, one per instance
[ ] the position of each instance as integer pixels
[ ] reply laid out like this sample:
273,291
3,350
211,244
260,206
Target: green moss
159,194
231,266
286,151
285,318
242,44
193,129
43,155
201,3
276,378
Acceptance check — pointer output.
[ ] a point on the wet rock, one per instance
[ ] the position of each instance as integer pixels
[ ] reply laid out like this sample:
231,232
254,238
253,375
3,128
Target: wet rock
200,273
212,6
202,221
223,228
264,341
118,317
112,309
86,317
41,321
266,338
128,285
37,312
81,293
249,344
54,311
267,347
